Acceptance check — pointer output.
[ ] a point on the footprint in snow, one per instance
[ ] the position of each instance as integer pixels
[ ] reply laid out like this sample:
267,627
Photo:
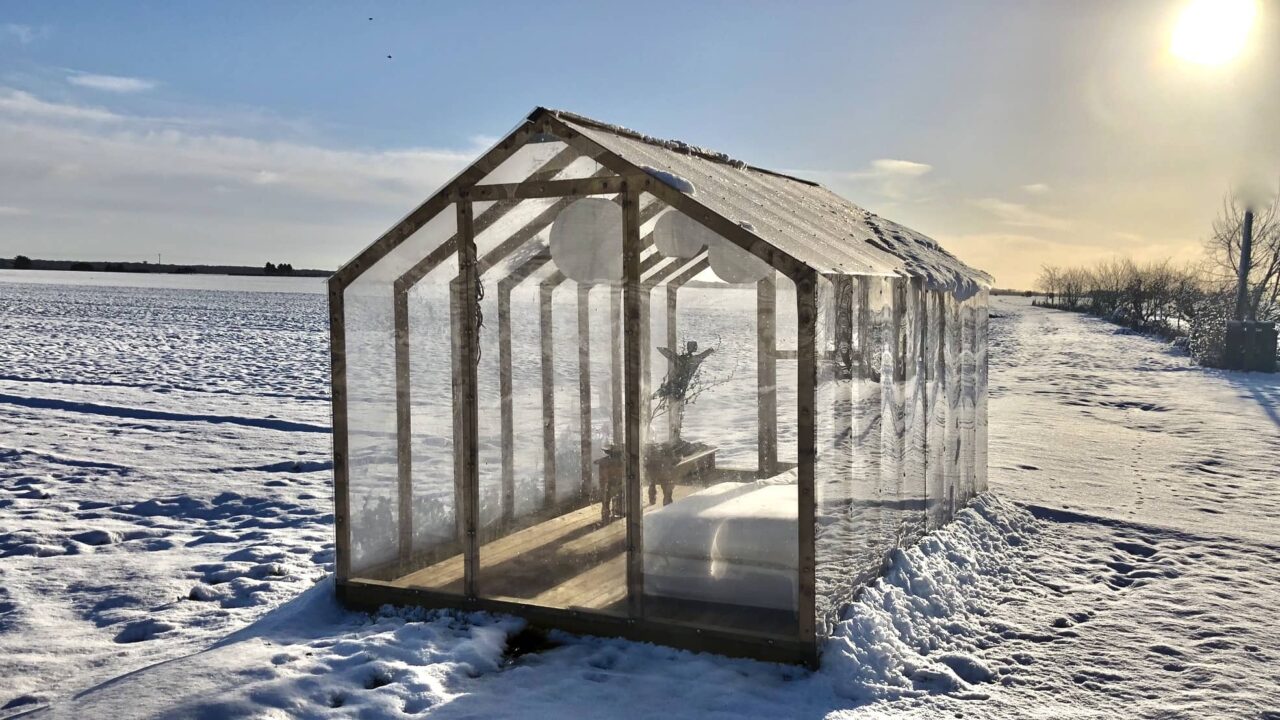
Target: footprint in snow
143,630
97,537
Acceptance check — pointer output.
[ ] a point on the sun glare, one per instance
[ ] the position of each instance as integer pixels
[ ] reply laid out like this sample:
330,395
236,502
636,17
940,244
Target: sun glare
1212,32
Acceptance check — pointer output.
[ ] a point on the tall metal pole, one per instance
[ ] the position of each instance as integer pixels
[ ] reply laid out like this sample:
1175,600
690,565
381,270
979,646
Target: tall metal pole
1246,249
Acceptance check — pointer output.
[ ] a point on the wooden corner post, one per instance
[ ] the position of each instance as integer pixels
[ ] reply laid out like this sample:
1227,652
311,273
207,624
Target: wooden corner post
806,446
338,394
633,334
465,382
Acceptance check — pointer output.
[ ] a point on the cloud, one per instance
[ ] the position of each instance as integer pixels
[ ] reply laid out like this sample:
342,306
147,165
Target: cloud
97,183
1036,188
111,83
24,104
901,168
1019,215
23,34
483,142
266,177
888,178
10,211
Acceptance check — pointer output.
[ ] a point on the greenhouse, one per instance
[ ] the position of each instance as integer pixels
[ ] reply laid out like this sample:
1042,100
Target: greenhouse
628,386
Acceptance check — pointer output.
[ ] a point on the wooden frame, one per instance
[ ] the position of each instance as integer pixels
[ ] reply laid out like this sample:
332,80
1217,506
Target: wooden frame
628,332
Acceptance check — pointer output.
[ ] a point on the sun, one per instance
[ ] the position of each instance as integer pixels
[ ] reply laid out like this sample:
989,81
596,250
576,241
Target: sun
1212,32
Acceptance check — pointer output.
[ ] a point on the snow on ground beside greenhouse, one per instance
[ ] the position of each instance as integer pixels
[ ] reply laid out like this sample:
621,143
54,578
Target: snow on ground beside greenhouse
165,515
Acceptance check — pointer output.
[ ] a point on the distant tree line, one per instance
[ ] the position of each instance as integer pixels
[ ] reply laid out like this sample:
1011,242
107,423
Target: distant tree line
1189,304
23,262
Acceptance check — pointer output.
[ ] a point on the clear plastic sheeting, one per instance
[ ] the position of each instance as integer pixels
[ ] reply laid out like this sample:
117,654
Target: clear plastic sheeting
720,524
903,445
550,396
387,527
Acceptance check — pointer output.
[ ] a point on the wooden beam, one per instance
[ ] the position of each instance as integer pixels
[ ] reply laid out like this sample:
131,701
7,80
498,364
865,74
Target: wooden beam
546,332
584,385
672,340
338,398
806,446
766,376
507,410
527,268
690,272
469,355
633,317
404,430
457,340
615,365
530,189
678,268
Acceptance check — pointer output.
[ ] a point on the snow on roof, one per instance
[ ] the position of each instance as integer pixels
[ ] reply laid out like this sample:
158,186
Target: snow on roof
817,227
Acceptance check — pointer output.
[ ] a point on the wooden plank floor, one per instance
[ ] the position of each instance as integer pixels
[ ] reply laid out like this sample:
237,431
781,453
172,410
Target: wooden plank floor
570,561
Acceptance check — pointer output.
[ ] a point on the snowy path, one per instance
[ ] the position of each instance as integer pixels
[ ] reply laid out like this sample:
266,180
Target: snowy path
1126,565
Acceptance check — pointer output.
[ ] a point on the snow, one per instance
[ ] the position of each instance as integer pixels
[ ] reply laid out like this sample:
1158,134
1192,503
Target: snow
165,542
682,184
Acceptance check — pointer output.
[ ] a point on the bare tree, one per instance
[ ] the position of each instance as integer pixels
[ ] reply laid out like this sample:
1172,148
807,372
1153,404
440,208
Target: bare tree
1050,282
1223,249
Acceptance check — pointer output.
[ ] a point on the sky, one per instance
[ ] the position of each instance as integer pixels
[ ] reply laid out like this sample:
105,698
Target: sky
1018,134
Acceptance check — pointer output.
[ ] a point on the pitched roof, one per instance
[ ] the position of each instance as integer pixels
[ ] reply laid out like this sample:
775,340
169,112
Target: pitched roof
811,223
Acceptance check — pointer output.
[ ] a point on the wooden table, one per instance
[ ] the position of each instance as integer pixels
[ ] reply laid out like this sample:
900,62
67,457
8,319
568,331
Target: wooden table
660,468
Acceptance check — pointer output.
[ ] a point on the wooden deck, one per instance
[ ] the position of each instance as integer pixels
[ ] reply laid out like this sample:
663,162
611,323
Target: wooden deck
570,561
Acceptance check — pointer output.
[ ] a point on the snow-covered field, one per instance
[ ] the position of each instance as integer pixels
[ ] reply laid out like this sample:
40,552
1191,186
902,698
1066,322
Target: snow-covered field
165,532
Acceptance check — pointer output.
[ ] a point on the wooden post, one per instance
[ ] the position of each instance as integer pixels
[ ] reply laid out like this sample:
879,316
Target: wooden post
508,413
548,395
767,376
338,396
672,340
584,385
468,355
633,317
404,430
457,339
806,445
615,363
846,377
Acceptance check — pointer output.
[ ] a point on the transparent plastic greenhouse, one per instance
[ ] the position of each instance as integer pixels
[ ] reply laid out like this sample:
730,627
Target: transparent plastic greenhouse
628,386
